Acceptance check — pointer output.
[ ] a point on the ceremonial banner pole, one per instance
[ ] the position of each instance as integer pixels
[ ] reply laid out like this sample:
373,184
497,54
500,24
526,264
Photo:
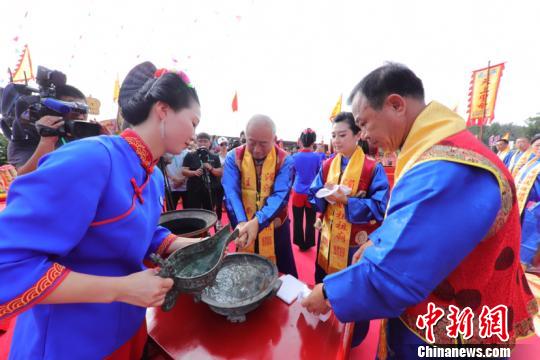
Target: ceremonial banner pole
483,95
485,103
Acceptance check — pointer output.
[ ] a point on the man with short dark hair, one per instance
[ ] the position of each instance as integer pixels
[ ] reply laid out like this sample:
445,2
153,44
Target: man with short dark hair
451,237
521,156
242,137
223,144
503,151
177,179
203,169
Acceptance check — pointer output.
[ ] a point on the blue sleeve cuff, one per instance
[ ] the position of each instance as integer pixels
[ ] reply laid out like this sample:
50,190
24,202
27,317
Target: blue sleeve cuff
426,204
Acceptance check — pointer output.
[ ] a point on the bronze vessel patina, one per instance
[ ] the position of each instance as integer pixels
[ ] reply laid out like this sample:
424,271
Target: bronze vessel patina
242,283
194,267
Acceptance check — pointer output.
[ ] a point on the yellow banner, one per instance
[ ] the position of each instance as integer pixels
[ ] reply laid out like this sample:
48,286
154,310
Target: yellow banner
483,94
116,90
23,71
337,108
93,105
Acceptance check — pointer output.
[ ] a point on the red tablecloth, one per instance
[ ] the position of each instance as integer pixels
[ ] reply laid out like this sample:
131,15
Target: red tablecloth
275,330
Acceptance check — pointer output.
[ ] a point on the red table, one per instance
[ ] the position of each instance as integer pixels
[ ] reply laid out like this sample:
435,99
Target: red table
275,330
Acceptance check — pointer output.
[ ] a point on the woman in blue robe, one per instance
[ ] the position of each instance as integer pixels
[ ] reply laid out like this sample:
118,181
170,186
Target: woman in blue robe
76,231
364,210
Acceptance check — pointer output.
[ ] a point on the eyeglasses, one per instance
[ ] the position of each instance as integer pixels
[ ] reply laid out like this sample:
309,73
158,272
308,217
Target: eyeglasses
224,144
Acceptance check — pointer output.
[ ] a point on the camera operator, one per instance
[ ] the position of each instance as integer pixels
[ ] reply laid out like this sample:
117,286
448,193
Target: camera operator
176,178
203,170
24,154
38,120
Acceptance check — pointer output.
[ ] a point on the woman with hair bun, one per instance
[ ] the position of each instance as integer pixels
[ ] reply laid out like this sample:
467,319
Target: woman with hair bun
74,260
347,219
306,164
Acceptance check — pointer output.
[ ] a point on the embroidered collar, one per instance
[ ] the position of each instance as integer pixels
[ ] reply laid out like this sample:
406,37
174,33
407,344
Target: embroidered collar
435,123
141,149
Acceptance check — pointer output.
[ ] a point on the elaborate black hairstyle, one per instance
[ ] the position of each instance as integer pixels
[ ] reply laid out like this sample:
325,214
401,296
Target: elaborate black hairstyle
145,85
348,118
308,137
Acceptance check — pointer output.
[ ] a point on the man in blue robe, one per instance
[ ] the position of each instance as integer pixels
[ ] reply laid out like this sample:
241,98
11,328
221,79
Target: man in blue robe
452,212
267,200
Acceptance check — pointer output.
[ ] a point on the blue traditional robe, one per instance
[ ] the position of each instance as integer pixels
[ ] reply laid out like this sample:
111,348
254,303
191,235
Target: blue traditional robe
507,157
358,210
530,233
447,205
275,204
307,165
514,157
84,209
530,236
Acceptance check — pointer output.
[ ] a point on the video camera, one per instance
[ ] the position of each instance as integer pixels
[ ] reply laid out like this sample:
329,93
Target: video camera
48,80
28,105
72,128
203,154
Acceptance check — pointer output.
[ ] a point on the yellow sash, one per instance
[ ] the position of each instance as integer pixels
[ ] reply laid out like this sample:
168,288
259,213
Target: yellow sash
435,123
524,186
516,166
336,230
254,199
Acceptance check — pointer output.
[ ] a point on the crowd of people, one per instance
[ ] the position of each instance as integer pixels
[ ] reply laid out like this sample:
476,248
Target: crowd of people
459,229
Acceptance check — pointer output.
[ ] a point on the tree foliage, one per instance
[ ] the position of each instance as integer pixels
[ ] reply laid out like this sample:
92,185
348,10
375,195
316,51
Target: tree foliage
532,128
3,150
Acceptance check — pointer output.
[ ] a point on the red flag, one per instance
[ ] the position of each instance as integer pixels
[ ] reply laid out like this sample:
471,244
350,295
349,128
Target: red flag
235,102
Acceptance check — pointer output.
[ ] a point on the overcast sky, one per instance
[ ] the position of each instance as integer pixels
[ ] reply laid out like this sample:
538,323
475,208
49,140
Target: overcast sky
288,59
